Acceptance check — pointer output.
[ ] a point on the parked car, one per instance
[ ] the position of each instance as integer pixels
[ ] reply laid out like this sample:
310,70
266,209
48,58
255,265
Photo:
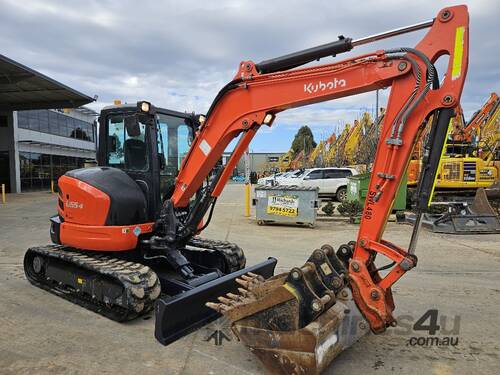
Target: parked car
332,182
278,178
238,178
290,175
269,180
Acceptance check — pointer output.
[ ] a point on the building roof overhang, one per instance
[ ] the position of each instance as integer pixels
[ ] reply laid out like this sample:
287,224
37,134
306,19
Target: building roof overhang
23,88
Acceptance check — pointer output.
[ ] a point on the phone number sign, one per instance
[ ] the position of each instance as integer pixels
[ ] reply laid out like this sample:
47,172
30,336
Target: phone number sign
283,205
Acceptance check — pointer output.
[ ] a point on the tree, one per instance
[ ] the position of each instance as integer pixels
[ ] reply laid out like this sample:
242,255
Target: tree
304,140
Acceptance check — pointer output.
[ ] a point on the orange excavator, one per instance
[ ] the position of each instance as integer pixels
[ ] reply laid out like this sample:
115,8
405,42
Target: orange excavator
295,322
472,129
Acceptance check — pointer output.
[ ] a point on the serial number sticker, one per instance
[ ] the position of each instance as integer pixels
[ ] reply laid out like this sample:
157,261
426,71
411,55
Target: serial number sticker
283,205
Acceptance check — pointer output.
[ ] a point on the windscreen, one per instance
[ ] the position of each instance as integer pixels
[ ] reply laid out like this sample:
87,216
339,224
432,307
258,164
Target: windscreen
174,139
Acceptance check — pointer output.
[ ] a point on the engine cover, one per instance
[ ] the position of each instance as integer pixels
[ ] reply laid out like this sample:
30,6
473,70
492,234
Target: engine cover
101,209
101,196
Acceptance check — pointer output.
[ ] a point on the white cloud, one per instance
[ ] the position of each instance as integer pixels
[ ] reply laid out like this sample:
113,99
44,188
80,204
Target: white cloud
179,54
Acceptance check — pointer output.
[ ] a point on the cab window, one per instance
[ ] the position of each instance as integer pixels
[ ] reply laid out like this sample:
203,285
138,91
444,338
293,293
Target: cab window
183,142
125,151
174,140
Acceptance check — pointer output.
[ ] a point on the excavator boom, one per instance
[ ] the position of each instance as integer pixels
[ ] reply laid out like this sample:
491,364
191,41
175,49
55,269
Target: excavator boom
310,303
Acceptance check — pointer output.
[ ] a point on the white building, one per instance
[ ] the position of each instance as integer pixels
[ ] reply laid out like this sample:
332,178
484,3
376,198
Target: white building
40,141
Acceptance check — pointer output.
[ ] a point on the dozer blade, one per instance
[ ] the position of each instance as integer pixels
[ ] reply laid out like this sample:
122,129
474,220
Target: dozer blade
184,313
296,322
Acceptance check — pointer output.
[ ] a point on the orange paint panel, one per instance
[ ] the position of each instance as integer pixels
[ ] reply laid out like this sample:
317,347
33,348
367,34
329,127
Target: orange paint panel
102,238
83,203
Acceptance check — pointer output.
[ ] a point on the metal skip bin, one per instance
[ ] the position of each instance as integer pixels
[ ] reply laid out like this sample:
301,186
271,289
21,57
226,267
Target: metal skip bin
286,204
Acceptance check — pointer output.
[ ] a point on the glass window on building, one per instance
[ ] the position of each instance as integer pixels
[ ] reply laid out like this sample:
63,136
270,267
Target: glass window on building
69,125
33,123
22,120
25,170
62,121
52,122
88,132
38,170
83,130
43,121
77,129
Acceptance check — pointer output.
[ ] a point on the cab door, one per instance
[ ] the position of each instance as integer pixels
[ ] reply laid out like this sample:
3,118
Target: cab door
132,153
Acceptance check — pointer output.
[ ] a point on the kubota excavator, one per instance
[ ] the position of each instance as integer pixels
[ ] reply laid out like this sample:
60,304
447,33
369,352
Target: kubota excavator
295,321
108,255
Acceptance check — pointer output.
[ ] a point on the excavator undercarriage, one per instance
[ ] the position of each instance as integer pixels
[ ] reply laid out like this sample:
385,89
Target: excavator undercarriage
120,286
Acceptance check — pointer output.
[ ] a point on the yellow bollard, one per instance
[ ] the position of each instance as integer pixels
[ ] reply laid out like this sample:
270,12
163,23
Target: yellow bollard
52,186
3,193
247,200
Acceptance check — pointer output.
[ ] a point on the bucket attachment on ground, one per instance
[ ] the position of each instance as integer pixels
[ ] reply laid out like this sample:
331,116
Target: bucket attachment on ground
184,313
462,218
296,322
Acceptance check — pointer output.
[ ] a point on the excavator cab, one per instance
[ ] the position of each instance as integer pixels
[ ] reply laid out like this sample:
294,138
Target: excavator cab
148,145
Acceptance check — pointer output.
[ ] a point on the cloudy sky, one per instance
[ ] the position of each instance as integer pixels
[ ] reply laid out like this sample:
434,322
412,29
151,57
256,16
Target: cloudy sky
178,54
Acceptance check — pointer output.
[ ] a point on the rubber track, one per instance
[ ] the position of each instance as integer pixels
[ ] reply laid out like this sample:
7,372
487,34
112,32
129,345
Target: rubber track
233,255
140,284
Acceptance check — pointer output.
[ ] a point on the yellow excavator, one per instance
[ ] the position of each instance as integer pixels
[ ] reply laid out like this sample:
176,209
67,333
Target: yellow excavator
285,161
317,156
470,160
334,155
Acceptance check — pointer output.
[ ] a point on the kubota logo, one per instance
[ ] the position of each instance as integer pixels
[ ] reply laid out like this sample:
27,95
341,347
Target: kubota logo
312,88
74,204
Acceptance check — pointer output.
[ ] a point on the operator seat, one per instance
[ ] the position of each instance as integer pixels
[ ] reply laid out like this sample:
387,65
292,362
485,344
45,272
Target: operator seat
135,154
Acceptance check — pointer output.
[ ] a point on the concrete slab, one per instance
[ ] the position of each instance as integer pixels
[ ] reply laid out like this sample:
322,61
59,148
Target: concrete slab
458,275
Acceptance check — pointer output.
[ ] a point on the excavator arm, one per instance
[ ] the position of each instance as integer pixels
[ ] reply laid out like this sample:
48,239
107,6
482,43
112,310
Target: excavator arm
259,92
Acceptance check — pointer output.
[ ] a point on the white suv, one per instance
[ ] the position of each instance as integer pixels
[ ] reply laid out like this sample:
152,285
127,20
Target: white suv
330,181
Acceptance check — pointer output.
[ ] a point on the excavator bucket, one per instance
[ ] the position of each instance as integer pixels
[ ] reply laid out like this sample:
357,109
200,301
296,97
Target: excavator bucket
179,315
296,322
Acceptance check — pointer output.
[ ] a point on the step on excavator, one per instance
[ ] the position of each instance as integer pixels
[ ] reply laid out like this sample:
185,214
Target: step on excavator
295,322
